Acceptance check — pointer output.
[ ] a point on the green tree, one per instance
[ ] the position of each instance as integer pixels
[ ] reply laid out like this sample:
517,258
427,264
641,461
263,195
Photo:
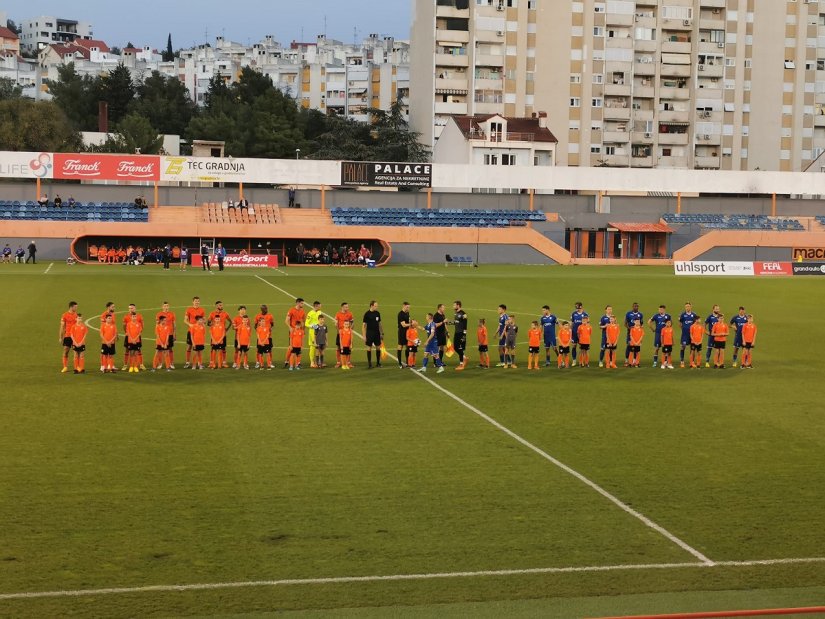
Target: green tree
165,103
134,134
77,96
118,90
392,139
169,54
12,26
27,125
9,89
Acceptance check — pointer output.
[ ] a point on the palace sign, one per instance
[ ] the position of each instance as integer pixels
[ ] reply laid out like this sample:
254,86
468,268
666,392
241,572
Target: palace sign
383,174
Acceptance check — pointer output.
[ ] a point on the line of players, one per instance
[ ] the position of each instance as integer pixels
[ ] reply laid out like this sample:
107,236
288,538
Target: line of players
569,340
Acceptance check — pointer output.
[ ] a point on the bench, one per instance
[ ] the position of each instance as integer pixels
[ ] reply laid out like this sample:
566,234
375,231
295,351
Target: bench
458,260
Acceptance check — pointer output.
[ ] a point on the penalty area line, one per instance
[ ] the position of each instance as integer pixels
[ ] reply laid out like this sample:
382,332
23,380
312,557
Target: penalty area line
48,268
336,580
558,463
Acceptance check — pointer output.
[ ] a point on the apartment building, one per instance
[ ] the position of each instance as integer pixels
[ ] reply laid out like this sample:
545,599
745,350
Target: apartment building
39,32
706,84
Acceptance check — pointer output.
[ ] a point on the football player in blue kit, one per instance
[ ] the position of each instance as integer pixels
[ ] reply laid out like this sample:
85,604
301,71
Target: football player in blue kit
739,320
576,319
686,319
657,323
630,319
548,322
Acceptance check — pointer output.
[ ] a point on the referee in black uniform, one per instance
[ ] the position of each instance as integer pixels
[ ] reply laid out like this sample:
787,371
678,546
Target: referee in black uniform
440,321
373,333
403,325
460,335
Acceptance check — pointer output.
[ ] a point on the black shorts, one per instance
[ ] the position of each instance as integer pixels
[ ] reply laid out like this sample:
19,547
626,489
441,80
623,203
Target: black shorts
719,345
133,346
107,350
79,349
441,339
264,349
402,338
346,350
161,347
198,347
295,350
483,348
412,349
188,339
171,341
748,345
219,345
564,350
534,350
610,346
667,349
635,349
584,346
243,348
373,339
138,344
67,342
696,347
460,341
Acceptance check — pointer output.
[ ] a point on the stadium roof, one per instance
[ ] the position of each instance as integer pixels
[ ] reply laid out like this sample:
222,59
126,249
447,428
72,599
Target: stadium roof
641,227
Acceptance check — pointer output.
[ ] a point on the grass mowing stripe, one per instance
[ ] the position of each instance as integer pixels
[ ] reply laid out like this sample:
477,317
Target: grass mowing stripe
399,577
588,482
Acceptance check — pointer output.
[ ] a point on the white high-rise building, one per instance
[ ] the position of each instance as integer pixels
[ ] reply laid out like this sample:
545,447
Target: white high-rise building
711,84
39,32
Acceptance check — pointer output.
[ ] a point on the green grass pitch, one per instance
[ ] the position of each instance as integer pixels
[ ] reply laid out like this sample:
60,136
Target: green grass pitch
182,478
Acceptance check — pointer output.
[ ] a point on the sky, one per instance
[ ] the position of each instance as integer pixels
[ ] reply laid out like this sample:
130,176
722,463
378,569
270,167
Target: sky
245,21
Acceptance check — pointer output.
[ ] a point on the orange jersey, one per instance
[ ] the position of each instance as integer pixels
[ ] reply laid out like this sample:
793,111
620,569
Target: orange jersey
244,333
341,318
534,337
237,321
268,318
697,333
481,334
162,334
296,338
748,333
666,336
263,333
79,331
412,335
295,315
128,318
103,317
217,332
68,319
565,337
637,334
197,332
133,331
170,319
192,314
108,333
612,334
720,331
585,331
219,316
345,337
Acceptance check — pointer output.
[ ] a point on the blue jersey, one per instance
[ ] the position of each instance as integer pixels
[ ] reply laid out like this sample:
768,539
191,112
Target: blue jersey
739,322
548,324
711,320
632,317
603,322
686,319
502,321
659,321
432,345
576,319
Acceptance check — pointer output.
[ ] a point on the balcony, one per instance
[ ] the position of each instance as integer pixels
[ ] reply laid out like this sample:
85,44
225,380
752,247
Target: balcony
616,161
676,47
678,116
710,70
644,92
644,22
819,120
676,94
500,138
641,162
676,70
618,19
489,84
450,108
619,43
489,108
489,36
451,60
673,139
489,60
617,90
615,113
707,162
643,45
452,36
614,66
642,115
716,22
710,47
677,24
644,68
451,86
451,11
708,139
618,137
714,4
672,162
642,137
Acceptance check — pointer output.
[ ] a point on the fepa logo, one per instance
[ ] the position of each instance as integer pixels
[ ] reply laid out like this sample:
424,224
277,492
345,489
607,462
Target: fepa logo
40,167
771,266
175,165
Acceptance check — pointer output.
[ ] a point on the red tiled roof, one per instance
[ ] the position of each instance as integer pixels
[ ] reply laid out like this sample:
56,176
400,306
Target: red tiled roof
5,33
132,49
514,125
63,50
90,43
641,227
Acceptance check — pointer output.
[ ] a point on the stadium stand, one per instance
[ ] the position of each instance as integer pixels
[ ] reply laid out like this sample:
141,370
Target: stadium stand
735,222
820,219
455,218
91,212
220,213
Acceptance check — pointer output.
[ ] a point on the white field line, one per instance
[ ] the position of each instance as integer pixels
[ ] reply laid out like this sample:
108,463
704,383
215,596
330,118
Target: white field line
281,272
588,482
398,577
48,268
425,272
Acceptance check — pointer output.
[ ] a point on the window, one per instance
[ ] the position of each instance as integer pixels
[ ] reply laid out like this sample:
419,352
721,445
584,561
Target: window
730,62
609,150
598,78
789,64
598,31
575,78
575,102
490,159
597,102
508,160
595,150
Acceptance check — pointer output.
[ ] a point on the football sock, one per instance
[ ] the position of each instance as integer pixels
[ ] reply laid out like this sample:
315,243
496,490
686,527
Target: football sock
425,362
369,358
65,360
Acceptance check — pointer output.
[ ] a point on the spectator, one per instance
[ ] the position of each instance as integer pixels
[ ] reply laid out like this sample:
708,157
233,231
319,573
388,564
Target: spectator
291,195
230,205
70,202
6,253
19,254
140,202
184,257
58,201
205,257
32,253
44,200
243,203
167,256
